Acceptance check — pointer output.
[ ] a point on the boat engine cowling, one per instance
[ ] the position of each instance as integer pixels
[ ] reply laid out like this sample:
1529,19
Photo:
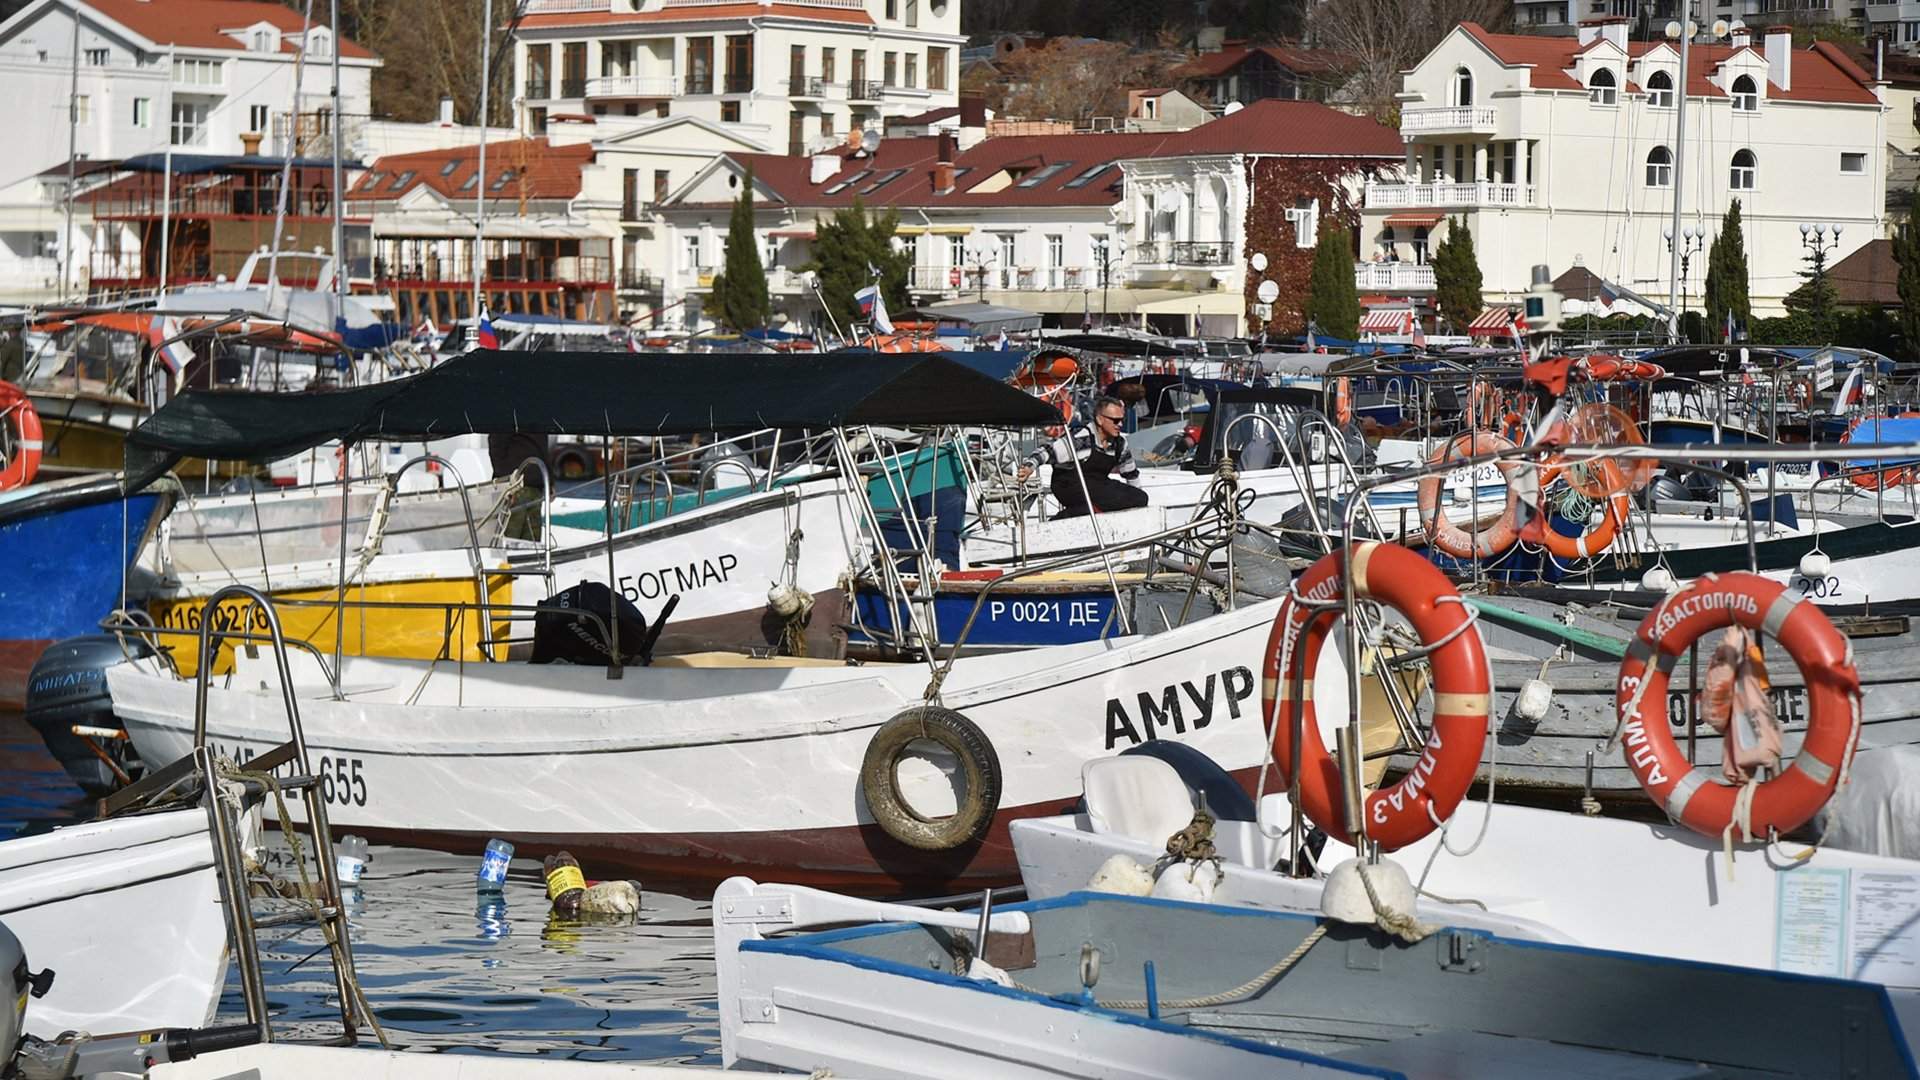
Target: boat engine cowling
68,686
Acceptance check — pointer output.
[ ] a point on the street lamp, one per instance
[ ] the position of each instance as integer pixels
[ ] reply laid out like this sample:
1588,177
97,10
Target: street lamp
1109,254
1813,237
1690,240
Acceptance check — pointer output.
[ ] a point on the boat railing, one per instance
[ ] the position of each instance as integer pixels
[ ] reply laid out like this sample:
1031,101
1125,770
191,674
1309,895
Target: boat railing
473,541
711,468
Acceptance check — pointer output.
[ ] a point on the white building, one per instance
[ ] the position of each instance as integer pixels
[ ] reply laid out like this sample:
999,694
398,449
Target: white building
1145,228
1564,150
784,75
195,75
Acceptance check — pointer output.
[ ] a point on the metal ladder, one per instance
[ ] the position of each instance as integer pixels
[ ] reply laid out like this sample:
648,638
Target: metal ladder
318,902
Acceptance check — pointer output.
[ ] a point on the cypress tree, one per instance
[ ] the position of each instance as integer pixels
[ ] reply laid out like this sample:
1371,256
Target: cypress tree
1906,252
1332,303
1726,287
845,247
739,300
1456,276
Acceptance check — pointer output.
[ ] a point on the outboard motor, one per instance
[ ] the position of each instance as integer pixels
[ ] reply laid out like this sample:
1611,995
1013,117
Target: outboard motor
68,686
29,1058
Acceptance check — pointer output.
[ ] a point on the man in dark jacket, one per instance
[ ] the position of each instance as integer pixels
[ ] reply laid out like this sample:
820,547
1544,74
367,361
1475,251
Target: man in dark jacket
1102,454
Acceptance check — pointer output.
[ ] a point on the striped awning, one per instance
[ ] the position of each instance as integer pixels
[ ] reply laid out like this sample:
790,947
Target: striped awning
1387,321
1494,322
1412,221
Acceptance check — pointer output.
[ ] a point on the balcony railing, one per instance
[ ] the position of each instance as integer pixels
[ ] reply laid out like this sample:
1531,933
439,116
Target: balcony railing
1460,118
865,90
807,87
618,86
573,88
1482,193
1392,277
541,6
738,84
1005,279
539,90
1184,253
634,279
699,84
852,5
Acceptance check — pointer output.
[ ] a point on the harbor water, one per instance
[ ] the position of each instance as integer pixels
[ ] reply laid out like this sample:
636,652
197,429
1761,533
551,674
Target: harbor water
447,969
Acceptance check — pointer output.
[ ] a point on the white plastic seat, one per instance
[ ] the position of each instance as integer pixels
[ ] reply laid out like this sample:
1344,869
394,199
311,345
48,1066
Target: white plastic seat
1138,797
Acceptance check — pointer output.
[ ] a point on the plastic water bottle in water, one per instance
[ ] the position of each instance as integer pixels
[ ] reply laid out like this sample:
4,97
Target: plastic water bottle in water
350,858
493,865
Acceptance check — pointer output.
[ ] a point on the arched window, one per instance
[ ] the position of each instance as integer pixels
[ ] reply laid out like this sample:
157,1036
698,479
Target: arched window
1602,89
1462,87
1660,90
1660,167
1745,171
1746,96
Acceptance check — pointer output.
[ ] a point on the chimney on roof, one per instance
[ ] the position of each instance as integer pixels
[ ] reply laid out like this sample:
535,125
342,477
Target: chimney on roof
943,163
821,166
1780,56
446,112
1615,30
1586,32
250,143
1741,38
973,121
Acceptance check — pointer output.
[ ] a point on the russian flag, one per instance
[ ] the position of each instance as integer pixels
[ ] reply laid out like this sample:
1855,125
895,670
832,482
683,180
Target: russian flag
486,338
874,307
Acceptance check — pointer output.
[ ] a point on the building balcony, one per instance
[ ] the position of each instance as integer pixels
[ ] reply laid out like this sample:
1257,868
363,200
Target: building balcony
1183,253
635,279
540,7
806,87
933,279
630,86
573,88
1392,277
738,84
1453,120
699,84
539,90
865,90
1482,193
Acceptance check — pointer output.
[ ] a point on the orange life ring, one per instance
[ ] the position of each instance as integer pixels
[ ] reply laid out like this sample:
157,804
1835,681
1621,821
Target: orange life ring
1617,369
1444,534
1462,693
1065,405
1600,535
1825,660
17,409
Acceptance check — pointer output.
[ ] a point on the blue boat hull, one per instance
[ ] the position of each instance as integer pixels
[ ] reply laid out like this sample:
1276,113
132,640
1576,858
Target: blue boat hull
62,555
1007,620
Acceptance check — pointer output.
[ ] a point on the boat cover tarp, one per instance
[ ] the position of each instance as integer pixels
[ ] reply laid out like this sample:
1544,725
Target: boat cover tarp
583,394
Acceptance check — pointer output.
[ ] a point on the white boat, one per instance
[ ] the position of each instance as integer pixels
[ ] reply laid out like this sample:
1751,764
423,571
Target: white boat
1657,889
289,1061
127,913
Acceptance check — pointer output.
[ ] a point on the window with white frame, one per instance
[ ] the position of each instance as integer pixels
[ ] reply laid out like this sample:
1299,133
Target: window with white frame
98,57
692,252
257,118
1602,88
1745,171
1659,167
142,112
197,72
189,122
1660,90
1852,163
1056,251
319,43
1462,87
261,40
956,251
1099,250
82,109
1746,95
1304,216
770,252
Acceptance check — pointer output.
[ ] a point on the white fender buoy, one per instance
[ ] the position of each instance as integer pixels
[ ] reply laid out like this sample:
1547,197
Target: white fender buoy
1658,579
1121,875
1815,564
1344,898
1533,700
1190,881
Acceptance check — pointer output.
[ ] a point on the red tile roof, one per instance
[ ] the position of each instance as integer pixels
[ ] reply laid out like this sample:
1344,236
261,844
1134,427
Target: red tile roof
552,172
1210,65
541,19
198,24
1296,128
1820,73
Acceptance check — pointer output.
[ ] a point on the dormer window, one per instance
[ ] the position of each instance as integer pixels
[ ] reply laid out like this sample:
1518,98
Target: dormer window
1462,87
1660,90
319,45
261,40
1746,96
1603,89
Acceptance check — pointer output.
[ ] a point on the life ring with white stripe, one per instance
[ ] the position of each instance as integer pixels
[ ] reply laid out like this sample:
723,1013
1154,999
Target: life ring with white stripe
1600,535
1825,659
1443,534
1462,692
24,463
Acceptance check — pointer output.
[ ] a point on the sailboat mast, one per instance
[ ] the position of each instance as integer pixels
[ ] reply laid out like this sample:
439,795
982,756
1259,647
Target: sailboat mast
480,188
1675,244
73,149
339,207
166,186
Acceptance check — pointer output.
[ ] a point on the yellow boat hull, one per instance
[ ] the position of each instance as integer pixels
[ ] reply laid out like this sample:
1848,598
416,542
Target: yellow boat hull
411,633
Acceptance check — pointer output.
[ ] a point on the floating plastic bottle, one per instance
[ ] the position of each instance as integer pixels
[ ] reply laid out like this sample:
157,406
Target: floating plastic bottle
493,866
565,883
350,858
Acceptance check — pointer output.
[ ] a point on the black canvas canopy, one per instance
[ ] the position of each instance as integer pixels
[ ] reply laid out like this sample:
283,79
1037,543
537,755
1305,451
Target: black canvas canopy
584,394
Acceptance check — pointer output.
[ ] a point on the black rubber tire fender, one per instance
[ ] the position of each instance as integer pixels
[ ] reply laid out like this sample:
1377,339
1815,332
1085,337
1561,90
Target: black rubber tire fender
979,766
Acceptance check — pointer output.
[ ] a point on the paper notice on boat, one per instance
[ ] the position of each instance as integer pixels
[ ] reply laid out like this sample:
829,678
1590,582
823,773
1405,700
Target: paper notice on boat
1810,921
1884,918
